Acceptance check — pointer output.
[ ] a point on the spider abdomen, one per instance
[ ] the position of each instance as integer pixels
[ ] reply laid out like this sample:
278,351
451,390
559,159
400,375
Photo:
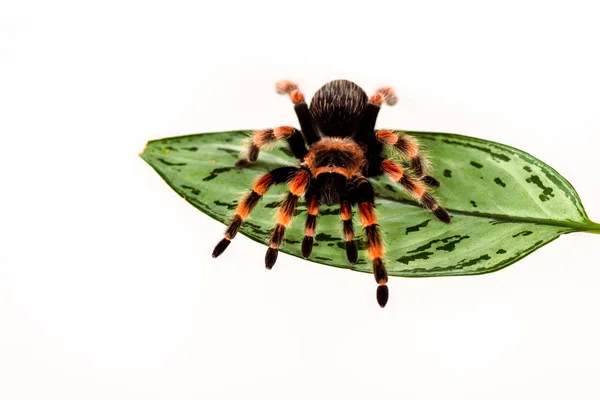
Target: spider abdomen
337,108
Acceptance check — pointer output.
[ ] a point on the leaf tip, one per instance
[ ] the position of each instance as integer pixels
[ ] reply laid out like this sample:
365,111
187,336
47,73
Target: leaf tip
141,153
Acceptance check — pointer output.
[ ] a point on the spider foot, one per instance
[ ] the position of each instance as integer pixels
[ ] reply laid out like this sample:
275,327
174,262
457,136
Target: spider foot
242,162
270,257
441,214
431,181
352,251
220,247
307,245
382,294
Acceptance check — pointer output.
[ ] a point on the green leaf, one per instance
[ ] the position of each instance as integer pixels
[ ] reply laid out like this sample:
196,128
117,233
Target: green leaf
504,202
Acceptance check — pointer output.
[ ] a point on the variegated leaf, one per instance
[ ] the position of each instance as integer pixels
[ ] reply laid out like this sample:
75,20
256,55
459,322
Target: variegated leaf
504,202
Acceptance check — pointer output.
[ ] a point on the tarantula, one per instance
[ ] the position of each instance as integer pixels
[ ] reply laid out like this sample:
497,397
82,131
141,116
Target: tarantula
344,150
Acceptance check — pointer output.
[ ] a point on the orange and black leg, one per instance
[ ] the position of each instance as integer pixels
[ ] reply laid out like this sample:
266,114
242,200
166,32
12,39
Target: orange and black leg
297,186
415,188
409,147
249,201
264,137
384,94
312,211
289,88
365,198
346,216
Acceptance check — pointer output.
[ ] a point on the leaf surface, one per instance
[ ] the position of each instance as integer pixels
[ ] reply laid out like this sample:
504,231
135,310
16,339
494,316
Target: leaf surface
505,203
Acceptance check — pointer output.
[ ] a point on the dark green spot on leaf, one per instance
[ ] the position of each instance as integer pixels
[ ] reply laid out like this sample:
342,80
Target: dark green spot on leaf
229,206
419,256
215,172
194,191
323,237
523,233
416,228
450,244
546,191
170,164
228,151
390,188
499,182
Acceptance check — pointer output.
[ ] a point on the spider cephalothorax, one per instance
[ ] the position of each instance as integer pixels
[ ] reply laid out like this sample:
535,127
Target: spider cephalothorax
344,150
335,156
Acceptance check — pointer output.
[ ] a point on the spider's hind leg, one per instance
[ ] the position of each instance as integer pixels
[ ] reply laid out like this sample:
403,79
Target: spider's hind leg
265,137
416,189
409,147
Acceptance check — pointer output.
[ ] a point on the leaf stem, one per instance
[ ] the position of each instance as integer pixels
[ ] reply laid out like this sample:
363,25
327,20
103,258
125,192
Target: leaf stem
593,228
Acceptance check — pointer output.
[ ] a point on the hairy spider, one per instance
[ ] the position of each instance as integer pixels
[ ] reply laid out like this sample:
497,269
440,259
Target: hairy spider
344,150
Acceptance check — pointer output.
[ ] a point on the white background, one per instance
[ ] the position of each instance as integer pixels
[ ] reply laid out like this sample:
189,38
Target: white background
107,287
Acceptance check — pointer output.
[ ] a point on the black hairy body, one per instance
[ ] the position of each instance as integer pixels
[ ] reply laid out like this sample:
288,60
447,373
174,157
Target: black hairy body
338,150
337,108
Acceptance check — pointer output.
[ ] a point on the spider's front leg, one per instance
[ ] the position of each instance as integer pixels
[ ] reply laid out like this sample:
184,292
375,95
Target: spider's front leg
416,188
348,227
263,138
312,211
249,201
297,187
365,197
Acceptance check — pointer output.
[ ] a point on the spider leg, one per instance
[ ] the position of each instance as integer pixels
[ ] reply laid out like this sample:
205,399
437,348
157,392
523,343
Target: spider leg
312,211
348,227
247,203
365,133
346,216
365,198
415,188
262,138
297,186
409,147
382,94
291,89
